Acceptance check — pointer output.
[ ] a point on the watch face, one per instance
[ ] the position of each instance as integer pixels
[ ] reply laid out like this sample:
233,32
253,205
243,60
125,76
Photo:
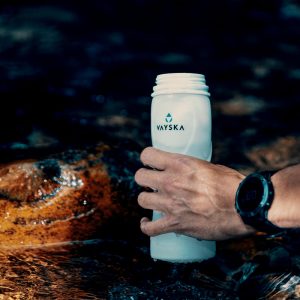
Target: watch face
251,195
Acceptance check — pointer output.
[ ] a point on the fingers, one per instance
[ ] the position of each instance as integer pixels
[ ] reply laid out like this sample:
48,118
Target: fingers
156,158
154,201
149,178
162,225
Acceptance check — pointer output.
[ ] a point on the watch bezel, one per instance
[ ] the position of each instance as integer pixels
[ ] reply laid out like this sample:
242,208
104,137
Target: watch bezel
265,202
258,217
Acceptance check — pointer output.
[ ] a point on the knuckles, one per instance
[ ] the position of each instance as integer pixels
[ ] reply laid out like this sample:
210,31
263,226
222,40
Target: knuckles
182,162
173,184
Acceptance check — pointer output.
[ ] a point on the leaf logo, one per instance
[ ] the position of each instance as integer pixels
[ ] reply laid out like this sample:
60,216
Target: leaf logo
168,118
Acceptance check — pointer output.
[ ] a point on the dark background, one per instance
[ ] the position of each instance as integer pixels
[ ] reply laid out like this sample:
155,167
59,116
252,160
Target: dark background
82,71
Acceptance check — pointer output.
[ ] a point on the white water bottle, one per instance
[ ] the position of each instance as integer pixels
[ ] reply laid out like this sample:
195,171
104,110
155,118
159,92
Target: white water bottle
181,123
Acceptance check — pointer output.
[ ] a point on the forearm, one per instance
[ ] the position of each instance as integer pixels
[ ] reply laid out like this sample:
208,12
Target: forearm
285,209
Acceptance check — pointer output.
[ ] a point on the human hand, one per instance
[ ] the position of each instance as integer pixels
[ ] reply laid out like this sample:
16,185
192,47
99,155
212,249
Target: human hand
197,198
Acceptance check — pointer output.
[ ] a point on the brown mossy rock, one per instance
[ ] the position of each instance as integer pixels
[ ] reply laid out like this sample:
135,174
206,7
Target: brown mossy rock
65,197
282,152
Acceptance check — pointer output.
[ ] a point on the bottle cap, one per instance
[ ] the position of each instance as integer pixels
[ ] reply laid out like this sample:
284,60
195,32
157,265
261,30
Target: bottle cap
178,83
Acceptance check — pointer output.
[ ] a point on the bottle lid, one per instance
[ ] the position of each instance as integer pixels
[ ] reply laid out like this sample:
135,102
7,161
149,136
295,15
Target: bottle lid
171,83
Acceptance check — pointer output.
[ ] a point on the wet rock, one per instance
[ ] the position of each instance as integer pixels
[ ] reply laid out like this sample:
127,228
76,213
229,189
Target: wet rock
67,196
278,154
240,106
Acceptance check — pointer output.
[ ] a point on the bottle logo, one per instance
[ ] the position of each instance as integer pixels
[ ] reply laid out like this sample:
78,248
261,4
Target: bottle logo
169,126
169,118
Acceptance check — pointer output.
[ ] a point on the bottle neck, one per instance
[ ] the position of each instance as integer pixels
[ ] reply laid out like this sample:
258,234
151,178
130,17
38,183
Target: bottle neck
177,83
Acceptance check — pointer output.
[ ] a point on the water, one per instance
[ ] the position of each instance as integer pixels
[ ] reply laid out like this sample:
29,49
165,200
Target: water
98,269
82,270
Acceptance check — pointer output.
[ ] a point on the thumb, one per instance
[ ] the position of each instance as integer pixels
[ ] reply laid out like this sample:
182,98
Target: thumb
153,228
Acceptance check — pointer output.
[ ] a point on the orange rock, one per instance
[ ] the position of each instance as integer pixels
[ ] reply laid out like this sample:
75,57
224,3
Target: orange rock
63,198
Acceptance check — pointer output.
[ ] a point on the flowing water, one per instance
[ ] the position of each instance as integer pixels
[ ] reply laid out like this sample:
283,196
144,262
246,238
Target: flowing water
85,270
97,269
122,269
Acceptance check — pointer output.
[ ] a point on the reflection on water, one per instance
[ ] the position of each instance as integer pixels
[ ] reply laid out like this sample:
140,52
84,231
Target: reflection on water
85,270
99,269
122,269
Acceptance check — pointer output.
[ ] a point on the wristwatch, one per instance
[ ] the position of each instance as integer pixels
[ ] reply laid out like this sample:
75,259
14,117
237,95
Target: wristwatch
253,200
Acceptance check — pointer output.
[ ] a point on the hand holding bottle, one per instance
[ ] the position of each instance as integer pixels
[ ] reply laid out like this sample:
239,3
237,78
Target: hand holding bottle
195,196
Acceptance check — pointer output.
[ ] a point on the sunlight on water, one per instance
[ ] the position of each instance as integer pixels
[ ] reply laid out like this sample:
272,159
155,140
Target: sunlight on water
98,269
67,271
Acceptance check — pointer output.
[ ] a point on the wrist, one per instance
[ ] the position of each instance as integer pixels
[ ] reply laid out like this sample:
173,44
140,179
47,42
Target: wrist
275,215
284,209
